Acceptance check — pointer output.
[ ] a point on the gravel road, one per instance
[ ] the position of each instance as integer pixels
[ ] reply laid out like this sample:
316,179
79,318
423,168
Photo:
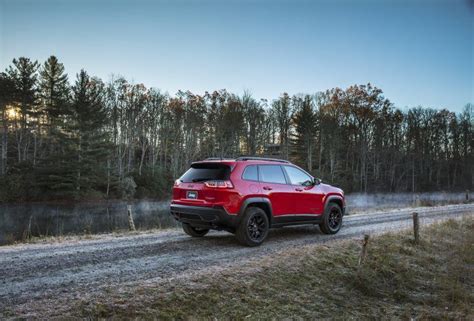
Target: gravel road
33,271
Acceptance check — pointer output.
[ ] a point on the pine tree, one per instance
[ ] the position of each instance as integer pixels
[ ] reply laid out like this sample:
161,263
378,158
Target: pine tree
91,144
305,130
54,90
52,170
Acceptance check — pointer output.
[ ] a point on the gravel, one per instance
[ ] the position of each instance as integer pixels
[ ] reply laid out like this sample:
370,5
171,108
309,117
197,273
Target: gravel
32,272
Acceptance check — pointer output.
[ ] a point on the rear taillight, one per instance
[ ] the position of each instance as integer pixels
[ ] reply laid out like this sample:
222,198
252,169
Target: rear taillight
219,184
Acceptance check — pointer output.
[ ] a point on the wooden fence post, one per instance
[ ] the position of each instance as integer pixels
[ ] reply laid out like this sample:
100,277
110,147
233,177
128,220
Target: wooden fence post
131,224
363,252
416,227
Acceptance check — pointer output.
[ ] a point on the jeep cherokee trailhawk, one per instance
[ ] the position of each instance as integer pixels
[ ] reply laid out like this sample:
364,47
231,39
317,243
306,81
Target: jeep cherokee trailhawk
249,195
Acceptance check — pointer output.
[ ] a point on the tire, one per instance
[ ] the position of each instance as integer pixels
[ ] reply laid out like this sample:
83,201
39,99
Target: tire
332,219
194,231
253,228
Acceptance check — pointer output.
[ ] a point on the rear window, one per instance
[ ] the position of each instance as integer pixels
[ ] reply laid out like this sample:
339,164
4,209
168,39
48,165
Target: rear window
206,172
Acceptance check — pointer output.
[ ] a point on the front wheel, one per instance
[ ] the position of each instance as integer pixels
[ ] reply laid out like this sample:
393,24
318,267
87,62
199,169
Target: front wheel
253,228
194,231
332,219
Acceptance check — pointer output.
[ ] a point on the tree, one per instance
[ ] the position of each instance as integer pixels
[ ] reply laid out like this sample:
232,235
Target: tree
283,114
335,141
466,123
254,122
7,89
151,125
24,76
54,89
90,141
364,103
305,122
55,109
226,123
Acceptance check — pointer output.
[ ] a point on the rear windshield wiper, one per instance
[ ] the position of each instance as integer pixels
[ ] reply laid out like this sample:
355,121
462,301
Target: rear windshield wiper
201,179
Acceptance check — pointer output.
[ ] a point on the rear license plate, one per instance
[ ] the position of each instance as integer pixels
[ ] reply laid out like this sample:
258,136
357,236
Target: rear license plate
192,195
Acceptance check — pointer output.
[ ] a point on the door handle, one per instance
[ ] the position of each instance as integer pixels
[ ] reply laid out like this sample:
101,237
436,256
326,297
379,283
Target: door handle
267,188
299,189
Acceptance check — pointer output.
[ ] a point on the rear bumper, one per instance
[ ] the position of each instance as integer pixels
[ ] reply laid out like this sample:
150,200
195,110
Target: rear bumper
207,217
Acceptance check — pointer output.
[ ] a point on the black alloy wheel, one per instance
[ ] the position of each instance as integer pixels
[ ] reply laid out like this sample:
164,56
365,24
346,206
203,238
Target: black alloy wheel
257,226
254,226
332,219
335,218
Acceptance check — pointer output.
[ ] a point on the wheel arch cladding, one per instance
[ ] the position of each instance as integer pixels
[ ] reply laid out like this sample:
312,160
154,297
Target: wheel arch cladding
260,202
337,200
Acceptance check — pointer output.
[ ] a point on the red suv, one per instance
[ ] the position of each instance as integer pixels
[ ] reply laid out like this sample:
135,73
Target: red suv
249,195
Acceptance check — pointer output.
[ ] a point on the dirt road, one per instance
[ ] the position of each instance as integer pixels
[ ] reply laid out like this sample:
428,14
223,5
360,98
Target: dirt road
34,271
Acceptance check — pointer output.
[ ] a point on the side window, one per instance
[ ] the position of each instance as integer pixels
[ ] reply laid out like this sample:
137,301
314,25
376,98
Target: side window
271,174
250,173
298,177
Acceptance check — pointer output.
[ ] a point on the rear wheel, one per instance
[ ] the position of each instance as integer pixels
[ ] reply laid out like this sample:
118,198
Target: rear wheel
253,228
332,219
194,231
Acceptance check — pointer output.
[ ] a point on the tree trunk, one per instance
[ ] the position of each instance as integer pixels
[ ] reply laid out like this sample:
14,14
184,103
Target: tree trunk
310,157
108,181
4,143
35,148
142,158
79,160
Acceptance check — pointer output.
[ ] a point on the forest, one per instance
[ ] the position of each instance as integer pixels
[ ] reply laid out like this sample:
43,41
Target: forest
86,139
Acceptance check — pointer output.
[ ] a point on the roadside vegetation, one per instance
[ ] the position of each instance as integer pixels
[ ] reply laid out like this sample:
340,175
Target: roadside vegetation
399,279
90,139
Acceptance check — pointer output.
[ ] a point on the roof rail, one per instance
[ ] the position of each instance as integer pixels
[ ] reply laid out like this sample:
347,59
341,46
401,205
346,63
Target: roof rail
217,158
245,158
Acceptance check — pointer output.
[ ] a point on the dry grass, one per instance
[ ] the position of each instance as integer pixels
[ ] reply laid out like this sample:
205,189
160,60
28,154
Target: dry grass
81,237
399,280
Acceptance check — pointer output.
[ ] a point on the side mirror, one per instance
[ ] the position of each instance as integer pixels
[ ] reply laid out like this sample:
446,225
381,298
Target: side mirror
316,181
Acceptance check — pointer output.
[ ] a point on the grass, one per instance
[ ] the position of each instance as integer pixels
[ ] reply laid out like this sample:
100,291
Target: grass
54,239
432,280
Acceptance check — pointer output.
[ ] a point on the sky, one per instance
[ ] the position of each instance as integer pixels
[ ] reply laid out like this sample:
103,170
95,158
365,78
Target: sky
418,52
